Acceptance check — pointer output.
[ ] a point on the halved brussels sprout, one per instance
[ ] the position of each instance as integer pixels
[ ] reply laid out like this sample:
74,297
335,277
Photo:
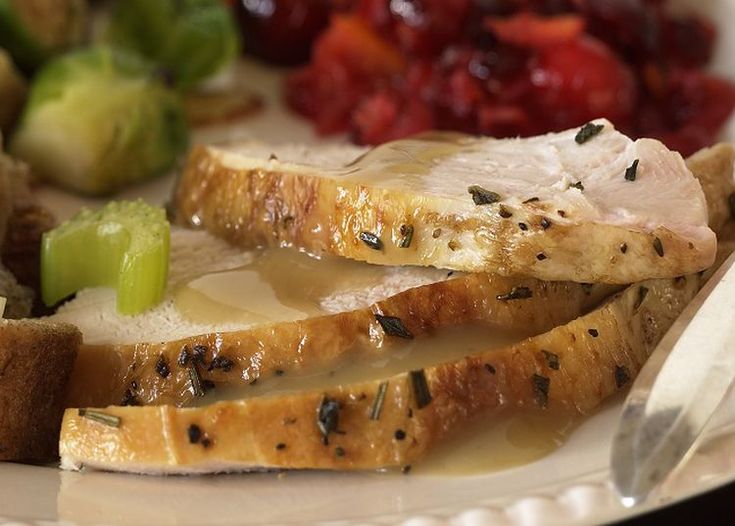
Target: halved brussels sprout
192,39
98,119
33,30
12,92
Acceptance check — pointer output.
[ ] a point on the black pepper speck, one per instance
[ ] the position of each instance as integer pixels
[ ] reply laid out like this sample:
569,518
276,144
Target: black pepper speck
552,360
194,432
184,356
622,376
658,247
371,240
162,367
221,362
199,353
540,385
129,398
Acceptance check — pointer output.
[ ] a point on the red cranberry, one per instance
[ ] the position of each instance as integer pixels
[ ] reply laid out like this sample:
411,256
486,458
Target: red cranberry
282,31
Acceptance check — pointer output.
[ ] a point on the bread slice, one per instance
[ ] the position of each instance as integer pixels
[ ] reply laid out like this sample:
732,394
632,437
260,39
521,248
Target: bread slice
123,356
22,223
36,359
18,299
714,168
546,207
388,423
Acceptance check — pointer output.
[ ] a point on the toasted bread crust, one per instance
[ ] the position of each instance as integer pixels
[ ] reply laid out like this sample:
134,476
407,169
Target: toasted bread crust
21,251
36,359
264,206
22,223
107,375
714,167
597,354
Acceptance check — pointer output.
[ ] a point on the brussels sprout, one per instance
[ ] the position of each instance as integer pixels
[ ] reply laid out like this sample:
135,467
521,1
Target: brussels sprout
192,39
98,119
12,92
33,30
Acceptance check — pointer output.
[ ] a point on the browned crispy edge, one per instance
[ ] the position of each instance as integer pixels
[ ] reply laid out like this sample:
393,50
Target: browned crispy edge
150,373
36,359
258,207
594,356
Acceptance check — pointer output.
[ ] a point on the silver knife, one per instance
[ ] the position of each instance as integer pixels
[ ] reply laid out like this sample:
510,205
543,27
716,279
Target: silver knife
678,389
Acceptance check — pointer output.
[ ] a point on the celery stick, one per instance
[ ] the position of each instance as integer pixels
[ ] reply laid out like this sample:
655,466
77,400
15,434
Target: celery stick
125,245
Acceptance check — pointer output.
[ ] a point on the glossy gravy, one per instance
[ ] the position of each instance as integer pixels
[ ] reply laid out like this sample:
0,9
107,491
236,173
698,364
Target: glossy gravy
278,285
498,441
489,443
445,345
284,285
404,162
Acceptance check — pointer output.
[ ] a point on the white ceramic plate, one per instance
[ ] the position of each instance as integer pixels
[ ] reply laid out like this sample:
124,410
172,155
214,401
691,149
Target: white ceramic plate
568,487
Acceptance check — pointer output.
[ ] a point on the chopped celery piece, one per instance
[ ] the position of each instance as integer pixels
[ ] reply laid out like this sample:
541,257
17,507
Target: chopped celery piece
124,245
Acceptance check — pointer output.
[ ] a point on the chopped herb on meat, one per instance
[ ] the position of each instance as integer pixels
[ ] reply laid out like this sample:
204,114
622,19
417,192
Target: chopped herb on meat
658,247
327,418
516,293
100,417
371,240
420,388
632,171
587,131
481,196
393,326
406,232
